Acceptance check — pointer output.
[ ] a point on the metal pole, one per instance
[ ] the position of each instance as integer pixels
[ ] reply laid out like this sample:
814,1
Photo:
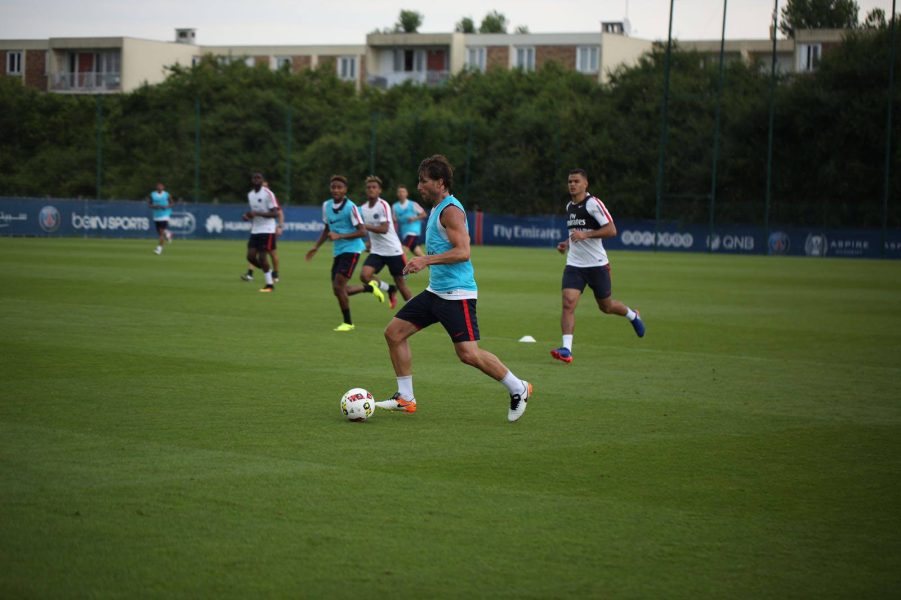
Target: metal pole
769,149
287,157
716,131
372,143
888,133
196,148
99,143
663,126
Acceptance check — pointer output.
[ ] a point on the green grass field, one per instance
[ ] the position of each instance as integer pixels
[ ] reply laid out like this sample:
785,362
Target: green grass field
167,431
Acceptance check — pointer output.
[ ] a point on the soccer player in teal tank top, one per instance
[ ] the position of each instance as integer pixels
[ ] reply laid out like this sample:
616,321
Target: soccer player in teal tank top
450,298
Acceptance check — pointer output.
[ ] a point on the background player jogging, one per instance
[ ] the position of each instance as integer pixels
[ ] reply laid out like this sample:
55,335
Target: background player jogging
589,223
161,203
408,215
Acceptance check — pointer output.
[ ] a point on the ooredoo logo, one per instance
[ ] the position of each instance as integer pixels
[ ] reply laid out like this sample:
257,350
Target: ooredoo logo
664,240
49,219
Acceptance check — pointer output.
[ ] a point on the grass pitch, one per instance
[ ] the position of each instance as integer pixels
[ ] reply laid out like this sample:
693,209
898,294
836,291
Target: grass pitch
167,431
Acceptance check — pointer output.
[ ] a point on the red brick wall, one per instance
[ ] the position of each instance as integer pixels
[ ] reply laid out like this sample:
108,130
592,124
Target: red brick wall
299,63
497,57
36,69
565,56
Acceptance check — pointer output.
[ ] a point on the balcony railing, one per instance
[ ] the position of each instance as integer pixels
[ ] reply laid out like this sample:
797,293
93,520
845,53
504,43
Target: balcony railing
389,80
86,82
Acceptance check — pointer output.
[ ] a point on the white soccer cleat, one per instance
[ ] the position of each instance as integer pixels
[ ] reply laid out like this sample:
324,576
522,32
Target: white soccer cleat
158,250
518,403
396,402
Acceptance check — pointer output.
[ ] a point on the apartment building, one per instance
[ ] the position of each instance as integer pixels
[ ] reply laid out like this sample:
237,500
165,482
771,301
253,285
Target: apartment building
121,64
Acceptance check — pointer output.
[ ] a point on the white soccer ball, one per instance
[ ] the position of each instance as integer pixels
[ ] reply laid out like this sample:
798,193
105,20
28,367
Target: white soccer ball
357,404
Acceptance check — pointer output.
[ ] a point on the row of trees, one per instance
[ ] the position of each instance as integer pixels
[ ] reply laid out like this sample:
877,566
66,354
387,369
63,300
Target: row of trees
512,136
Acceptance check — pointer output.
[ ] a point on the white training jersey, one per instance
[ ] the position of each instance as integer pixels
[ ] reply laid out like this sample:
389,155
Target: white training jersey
383,244
588,215
262,201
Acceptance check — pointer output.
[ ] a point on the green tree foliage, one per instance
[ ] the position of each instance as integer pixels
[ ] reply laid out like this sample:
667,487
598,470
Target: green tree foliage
494,22
818,14
465,25
511,135
409,21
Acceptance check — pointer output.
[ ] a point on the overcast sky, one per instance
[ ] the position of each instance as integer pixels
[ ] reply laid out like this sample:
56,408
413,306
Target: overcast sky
242,22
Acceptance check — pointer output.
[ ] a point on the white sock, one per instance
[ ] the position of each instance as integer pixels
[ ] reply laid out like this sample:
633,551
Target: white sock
268,277
383,286
405,387
630,314
568,342
513,383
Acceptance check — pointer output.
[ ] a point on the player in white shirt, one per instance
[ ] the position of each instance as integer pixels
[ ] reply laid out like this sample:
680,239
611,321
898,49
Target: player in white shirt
384,245
264,214
589,222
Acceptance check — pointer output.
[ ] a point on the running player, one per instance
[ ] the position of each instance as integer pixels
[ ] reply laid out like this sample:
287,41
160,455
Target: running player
344,226
273,252
264,210
161,203
408,215
450,298
385,248
589,222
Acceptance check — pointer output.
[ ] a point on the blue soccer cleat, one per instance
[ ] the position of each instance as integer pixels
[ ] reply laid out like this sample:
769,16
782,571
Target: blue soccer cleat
638,325
562,354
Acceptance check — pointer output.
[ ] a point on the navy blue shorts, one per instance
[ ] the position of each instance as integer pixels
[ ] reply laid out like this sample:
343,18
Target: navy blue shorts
344,264
395,263
597,278
161,226
262,241
411,240
458,317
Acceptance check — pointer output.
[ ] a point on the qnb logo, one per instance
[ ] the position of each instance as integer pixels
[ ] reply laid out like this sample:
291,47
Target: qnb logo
645,239
49,219
183,223
213,224
730,242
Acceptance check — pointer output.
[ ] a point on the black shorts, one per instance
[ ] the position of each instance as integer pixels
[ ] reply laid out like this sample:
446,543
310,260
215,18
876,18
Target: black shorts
161,226
457,316
262,241
395,263
597,278
344,264
411,240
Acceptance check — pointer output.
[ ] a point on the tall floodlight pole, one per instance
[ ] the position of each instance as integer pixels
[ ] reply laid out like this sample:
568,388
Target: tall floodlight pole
99,144
888,133
197,148
663,126
769,148
716,131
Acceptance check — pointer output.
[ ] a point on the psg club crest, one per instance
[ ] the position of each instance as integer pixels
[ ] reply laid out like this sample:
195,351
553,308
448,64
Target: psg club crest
49,219
778,243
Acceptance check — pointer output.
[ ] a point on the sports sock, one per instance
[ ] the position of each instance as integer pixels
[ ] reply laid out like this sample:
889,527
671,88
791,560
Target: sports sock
250,272
513,383
568,342
405,387
367,289
383,286
346,313
268,277
630,314
392,289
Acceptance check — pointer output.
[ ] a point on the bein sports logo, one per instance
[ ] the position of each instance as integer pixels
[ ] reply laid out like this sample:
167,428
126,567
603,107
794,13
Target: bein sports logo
49,219
183,223
214,224
645,239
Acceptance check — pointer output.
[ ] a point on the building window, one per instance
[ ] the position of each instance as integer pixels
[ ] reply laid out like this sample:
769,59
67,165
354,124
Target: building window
250,61
409,60
809,56
587,59
525,59
475,59
283,62
14,63
347,68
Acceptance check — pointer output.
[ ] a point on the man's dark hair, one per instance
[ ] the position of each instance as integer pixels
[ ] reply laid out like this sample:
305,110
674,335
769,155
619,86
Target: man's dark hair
581,172
438,167
374,178
340,178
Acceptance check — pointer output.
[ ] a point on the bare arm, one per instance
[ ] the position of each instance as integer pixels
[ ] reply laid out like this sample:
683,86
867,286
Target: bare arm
607,231
454,222
322,237
360,232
